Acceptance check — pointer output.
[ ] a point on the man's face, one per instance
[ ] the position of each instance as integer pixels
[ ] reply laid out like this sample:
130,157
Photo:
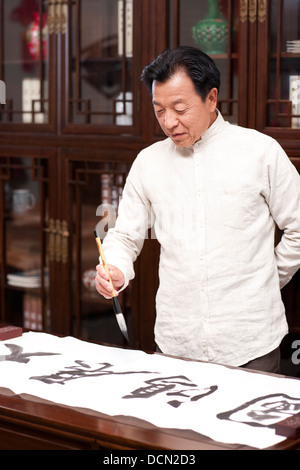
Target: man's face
180,111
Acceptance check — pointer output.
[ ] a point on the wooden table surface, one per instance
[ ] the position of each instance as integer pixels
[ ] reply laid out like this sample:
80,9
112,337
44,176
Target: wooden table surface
31,423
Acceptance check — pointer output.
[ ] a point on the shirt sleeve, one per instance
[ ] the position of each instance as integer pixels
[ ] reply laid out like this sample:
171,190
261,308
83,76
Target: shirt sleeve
124,242
284,203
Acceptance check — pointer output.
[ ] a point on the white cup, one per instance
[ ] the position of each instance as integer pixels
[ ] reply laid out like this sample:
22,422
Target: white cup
22,200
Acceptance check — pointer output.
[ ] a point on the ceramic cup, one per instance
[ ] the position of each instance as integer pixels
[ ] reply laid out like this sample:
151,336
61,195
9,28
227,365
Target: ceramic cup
22,200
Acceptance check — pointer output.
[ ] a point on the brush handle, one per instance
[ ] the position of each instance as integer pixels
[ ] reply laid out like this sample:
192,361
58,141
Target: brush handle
101,253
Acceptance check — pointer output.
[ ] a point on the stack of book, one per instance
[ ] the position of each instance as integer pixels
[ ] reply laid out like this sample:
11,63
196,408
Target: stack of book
27,279
295,99
293,46
32,312
32,302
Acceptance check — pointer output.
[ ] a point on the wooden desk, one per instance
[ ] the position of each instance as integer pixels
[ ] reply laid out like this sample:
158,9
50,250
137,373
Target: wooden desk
31,424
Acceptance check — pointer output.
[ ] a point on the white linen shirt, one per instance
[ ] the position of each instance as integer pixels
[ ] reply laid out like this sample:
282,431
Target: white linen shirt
213,207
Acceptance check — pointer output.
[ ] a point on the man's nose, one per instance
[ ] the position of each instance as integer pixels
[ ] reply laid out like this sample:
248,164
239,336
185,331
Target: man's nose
170,119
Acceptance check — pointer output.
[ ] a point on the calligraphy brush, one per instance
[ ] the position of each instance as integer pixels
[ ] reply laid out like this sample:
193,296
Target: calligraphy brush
117,308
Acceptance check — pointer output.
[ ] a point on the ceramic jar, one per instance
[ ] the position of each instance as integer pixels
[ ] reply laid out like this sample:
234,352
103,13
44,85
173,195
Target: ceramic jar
211,33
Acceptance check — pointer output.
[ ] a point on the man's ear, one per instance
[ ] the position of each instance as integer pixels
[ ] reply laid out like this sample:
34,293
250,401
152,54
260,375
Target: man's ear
212,99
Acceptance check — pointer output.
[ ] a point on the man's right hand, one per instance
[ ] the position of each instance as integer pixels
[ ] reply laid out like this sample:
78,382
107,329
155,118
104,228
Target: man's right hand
102,283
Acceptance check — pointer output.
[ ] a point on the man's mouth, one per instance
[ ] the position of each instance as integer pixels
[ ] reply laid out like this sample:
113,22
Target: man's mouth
177,135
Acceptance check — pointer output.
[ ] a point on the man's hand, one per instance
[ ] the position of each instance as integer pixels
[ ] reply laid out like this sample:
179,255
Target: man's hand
102,283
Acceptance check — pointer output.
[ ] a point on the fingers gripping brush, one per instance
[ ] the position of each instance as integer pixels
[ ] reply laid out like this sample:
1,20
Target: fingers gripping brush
117,308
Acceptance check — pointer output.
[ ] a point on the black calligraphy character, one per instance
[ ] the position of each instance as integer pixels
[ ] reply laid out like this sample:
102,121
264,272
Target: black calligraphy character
179,386
263,411
17,355
82,370
203,393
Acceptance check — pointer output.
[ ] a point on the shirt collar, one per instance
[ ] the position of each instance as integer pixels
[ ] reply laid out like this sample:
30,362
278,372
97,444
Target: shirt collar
208,134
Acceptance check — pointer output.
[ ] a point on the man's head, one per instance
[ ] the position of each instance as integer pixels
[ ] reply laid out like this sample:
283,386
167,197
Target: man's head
184,84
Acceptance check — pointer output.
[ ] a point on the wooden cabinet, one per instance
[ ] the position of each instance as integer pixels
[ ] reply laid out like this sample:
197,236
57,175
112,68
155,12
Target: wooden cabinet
75,117
278,99
278,102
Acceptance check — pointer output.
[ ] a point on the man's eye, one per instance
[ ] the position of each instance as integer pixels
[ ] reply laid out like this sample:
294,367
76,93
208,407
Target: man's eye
159,111
179,111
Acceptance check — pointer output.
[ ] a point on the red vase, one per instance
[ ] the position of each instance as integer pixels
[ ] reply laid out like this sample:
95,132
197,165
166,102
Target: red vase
33,37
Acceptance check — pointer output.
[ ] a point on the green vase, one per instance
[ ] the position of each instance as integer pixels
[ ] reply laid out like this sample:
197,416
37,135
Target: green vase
211,33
